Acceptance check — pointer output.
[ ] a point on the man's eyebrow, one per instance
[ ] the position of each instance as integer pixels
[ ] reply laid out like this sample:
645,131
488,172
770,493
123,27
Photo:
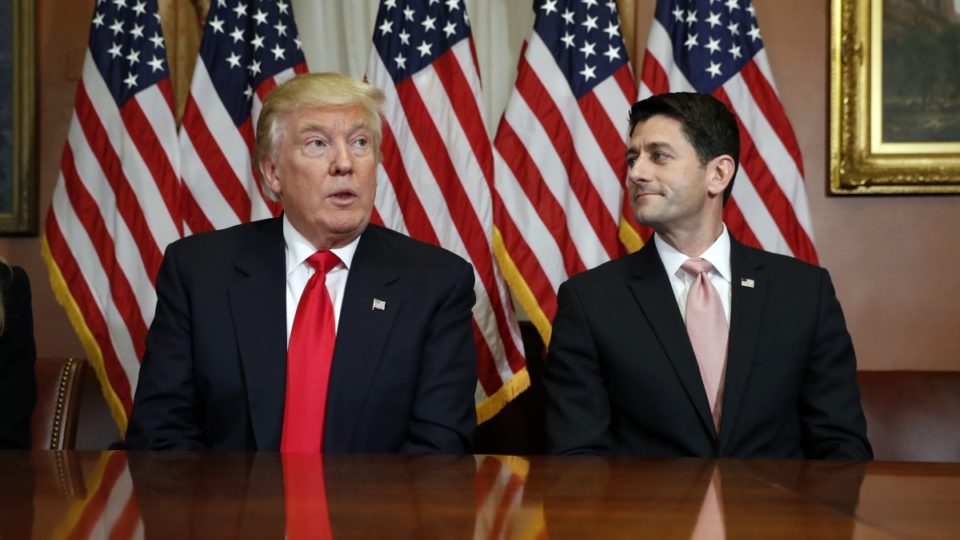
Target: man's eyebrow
312,126
323,128
650,146
658,145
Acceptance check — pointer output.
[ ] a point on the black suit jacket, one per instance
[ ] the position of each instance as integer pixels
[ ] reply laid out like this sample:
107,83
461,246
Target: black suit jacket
214,372
622,378
18,355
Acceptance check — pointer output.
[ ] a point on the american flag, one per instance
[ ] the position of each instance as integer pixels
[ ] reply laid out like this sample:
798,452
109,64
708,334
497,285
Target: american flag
715,47
560,151
502,511
436,177
248,48
116,203
109,509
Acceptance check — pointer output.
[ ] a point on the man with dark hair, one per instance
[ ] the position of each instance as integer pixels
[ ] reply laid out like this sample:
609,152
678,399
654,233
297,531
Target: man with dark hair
698,345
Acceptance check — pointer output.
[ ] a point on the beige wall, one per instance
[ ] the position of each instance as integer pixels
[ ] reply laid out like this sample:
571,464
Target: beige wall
892,260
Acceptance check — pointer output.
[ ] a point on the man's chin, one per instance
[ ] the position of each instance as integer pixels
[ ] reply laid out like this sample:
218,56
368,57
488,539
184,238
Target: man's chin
643,208
645,218
350,226
337,230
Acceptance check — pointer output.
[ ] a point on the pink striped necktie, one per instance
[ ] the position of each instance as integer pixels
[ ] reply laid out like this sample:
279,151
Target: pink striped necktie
708,331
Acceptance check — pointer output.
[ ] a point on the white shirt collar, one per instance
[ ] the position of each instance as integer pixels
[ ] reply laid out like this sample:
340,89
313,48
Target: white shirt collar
299,248
718,254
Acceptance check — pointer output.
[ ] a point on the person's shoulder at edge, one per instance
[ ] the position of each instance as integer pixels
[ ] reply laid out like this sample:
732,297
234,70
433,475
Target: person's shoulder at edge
16,287
10,274
6,274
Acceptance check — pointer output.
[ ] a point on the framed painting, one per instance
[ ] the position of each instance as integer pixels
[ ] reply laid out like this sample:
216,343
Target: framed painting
894,97
18,180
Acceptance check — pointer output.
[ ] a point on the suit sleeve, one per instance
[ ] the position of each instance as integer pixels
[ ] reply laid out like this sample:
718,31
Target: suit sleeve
578,408
443,417
165,410
18,355
834,426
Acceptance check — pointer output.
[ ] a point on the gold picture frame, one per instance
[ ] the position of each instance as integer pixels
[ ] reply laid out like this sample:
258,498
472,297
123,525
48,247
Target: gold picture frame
18,213
862,162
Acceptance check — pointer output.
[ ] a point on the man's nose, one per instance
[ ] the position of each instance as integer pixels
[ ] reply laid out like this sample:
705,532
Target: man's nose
342,162
637,172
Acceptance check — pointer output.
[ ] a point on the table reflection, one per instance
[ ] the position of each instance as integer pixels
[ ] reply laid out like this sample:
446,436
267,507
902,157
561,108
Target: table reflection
174,495
591,498
304,496
16,517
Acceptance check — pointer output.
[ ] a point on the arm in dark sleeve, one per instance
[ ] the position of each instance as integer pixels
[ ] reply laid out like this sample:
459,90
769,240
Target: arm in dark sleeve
578,408
18,354
444,416
165,412
833,421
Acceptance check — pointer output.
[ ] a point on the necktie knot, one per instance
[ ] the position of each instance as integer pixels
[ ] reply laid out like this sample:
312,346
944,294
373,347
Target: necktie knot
696,265
323,261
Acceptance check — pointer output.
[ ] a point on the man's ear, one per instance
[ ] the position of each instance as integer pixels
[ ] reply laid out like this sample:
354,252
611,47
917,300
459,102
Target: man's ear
271,175
719,174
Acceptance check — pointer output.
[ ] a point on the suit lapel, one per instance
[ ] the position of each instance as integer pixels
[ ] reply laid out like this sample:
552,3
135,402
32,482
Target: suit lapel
258,306
361,334
652,290
746,309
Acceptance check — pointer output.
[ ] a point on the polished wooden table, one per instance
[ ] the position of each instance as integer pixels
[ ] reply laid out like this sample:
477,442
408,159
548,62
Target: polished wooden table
173,495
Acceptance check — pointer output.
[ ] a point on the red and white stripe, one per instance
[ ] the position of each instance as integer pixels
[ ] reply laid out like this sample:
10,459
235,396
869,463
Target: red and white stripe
114,209
500,483
768,207
109,509
559,179
222,187
435,185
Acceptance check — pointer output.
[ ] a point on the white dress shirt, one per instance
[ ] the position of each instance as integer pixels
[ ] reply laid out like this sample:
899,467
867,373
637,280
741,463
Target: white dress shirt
718,254
298,250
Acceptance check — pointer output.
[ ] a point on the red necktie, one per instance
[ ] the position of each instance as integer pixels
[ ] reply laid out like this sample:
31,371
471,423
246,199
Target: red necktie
309,356
305,498
708,331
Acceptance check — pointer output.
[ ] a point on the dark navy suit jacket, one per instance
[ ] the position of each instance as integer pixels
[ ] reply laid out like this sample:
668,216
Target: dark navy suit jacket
214,373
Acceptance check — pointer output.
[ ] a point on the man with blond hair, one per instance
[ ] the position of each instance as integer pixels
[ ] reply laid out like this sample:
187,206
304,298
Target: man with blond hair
314,331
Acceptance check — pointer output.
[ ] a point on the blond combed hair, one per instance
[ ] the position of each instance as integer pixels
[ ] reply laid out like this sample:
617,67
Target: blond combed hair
311,90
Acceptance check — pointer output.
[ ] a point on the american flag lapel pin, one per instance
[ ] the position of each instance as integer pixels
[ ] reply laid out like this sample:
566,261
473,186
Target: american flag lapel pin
378,304
747,282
